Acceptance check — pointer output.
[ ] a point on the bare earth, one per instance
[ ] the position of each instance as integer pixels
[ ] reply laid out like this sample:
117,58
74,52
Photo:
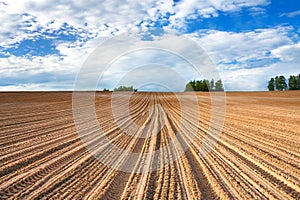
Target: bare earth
257,155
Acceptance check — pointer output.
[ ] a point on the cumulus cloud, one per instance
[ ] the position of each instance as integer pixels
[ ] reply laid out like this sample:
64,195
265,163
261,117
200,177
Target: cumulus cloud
103,18
246,60
232,48
179,54
236,54
189,9
288,53
97,17
289,56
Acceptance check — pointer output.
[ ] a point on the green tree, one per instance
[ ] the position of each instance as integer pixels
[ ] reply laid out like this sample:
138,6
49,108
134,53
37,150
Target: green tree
219,86
280,83
125,88
277,85
189,87
212,85
298,82
198,86
271,85
205,85
293,85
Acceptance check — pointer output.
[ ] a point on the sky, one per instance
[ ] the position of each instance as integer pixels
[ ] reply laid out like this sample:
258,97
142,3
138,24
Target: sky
44,44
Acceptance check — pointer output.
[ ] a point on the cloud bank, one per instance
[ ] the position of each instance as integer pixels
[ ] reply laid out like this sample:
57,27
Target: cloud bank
44,43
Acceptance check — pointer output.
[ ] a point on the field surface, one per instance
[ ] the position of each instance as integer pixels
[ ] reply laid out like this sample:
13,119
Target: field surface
256,155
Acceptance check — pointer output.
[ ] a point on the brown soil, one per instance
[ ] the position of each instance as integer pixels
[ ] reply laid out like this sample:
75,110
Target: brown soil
256,156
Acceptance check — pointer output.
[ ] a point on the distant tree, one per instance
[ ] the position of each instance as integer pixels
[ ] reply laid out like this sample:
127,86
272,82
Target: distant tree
206,85
271,85
212,85
219,86
298,81
293,85
198,86
277,85
125,88
189,87
105,90
193,84
281,83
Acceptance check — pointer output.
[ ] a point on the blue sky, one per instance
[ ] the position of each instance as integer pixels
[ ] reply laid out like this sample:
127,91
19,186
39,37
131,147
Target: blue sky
44,43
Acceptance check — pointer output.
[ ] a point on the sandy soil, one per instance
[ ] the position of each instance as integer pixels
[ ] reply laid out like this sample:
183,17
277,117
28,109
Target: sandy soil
256,156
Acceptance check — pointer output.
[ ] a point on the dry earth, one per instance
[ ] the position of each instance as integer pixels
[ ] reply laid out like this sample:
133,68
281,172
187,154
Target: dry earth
257,155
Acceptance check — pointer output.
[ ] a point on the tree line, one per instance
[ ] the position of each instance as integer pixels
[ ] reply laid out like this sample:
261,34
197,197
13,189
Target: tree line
204,85
280,83
125,88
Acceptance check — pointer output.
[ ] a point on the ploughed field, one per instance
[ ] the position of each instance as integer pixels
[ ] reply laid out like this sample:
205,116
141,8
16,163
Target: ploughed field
255,156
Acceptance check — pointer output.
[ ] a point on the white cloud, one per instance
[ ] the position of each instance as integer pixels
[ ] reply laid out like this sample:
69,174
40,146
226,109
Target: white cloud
222,47
291,14
104,17
288,53
245,79
247,60
89,15
254,11
290,60
256,79
22,87
189,9
139,56
235,48
37,87
233,53
8,27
